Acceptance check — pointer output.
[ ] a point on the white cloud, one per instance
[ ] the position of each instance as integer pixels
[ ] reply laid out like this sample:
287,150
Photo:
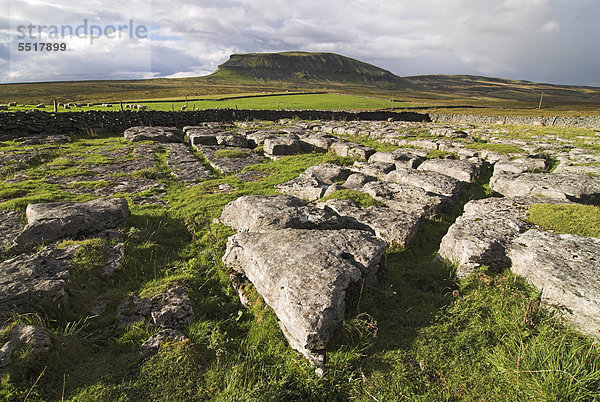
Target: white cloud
511,38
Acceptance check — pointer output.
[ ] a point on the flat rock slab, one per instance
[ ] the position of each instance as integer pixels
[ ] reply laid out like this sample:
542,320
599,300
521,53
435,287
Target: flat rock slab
433,182
565,186
255,213
565,268
158,134
10,227
185,166
56,220
463,170
482,234
229,165
407,198
37,279
304,276
519,165
396,228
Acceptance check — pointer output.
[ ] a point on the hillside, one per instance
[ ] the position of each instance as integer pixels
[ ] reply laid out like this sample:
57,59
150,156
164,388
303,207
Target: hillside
305,68
267,73
471,86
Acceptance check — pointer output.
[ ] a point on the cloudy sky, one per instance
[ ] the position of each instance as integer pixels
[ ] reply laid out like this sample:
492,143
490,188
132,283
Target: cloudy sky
556,41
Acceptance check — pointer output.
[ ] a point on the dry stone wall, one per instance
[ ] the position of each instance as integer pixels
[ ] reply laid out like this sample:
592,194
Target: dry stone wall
592,122
36,122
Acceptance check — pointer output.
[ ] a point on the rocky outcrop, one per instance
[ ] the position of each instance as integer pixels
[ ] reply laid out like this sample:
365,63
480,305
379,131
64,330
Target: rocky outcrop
482,234
565,186
158,134
56,220
38,279
304,276
565,269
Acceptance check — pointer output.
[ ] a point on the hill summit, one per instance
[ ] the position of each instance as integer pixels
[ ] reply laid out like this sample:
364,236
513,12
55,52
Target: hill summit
305,67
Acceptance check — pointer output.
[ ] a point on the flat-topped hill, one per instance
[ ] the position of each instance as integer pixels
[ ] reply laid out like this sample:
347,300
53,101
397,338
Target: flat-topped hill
306,67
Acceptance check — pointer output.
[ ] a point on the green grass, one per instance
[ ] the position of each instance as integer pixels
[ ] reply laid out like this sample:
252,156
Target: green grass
232,153
416,334
581,220
437,154
505,149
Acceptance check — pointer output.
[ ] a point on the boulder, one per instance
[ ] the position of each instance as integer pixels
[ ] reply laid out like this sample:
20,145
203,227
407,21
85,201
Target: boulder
282,146
433,182
463,170
51,221
255,213
481,235
201,137
565,186
38,279
232,140
158,134
565,268
396,228
304,276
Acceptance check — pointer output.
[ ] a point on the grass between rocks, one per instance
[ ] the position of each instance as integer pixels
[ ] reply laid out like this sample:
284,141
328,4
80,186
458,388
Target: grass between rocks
581,220
416,334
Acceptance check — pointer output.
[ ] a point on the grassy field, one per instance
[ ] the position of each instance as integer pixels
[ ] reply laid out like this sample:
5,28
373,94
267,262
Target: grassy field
253,102
418,334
